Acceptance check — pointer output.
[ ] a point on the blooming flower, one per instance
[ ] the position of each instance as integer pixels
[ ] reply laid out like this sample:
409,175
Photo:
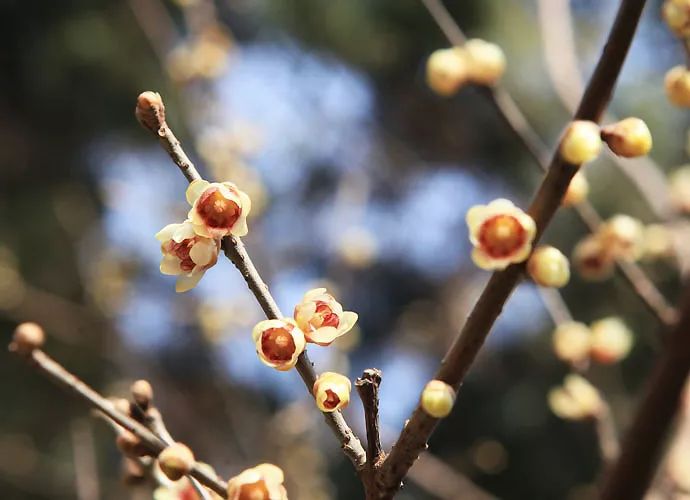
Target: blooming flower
263,482
332,391
612,340
218,209
576,399
186,254
437,399
279,342
501,233
592,260
322,318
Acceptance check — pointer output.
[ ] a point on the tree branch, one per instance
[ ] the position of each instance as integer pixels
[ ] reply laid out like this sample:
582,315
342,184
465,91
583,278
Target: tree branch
461,355
368,388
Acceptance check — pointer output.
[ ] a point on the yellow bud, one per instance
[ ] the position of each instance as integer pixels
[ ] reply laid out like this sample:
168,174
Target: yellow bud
629,138
677,84
623,237
27,337
592,260
438,399
572,342
581,142
676,13
486,62
576,399
577,192
549,267
176,461
611,340
446,71
331,391
142,393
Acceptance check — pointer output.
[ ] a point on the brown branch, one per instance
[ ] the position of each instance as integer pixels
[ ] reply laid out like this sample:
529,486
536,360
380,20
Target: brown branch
150,112
632,474
512,116
58,374
368,388
461,355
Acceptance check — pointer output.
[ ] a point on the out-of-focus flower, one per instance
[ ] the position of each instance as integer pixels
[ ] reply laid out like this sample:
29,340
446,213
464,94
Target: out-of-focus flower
357,247
332,391
576,399
218,209
658,242
611,340
679,184
501,233
438,399
623,237
263,482
446,71
547,266
592,260
676,13
581,142
572,342
279,342
322,318
677,85
628,138
486,62
186,254
176,461
577,192
204,57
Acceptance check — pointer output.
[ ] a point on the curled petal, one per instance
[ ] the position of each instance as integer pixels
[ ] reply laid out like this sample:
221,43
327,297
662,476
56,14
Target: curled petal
187,282
195,189
185,231
167,232
203,252
347,321
323,336
170,265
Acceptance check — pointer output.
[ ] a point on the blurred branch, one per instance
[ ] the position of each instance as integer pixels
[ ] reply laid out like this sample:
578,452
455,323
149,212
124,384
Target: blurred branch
368,388
511,114
58,374
438,478
152,116
461,355
85,467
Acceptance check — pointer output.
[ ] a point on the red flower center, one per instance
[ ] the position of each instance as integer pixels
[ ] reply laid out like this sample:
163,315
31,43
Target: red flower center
324,316
216,210
332,399
501,235
188,494
277,344
181,251
254,491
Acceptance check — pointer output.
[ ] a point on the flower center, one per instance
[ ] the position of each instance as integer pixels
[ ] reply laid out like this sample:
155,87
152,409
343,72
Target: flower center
501,235
216,210
324,316
181,251
332,399
254,491
188,494
277,344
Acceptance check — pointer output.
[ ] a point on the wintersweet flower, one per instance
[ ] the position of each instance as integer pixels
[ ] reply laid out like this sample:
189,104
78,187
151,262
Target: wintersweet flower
576,399
592,260
263,482
322,318
581,142
501,233
572,342
437,399
218,209
677,86
486,61
628,138
332,391
612,340
547,266
279,342
186,254
623,236
676,13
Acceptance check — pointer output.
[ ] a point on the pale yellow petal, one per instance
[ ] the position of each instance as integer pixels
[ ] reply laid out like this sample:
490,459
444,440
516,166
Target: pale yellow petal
183,232
167,232
170,265
347,321
195,189
203,252
187,282
324,336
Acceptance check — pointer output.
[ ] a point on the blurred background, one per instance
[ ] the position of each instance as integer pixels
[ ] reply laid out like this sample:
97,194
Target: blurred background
360,178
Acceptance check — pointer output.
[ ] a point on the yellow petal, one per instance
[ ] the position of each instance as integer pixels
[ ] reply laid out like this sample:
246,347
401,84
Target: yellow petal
202,252
167,232
170,265
183,232
195,189
187,282
347,321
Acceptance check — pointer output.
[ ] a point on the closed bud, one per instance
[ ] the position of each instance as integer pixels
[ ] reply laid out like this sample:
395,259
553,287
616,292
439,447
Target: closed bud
446,71
438,399
676,13
486,62
122,405
131,445
677,85
612,340
581,142
577,192
592,260
576,399
176,461
150,111
332,391
572,342
263,482
142,393
623,237
629,138
27,337
549,267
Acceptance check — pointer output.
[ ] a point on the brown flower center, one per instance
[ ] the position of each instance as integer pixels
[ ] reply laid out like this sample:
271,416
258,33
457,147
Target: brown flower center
181,251
501,235
277,344
324,316
216,210
332,399
254,491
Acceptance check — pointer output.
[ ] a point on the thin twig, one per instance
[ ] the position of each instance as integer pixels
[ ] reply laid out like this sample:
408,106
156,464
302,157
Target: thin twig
151,114
467,344
368,388
58,374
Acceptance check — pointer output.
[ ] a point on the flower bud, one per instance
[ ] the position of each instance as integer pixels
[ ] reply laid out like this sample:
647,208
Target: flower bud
446,71
322,318
332,391
131,445
591,259
150,111
679,185
27,337
218,209
438,399
176,461
279,342
486,62
142,393
623,237
549,267
628,138
501,233
577,192
676,13
263,482
611,340
677,85
581,142
576,399
572,342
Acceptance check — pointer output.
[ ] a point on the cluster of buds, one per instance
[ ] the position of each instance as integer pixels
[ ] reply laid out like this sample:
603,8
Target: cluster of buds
606,341
676,13
582,140
438,399
547,266
620,237
576,399
477,61
191,247
263,482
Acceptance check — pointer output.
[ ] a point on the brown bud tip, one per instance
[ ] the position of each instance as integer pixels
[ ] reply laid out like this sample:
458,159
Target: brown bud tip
27,337
176,460
142,393
150,111
131,445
